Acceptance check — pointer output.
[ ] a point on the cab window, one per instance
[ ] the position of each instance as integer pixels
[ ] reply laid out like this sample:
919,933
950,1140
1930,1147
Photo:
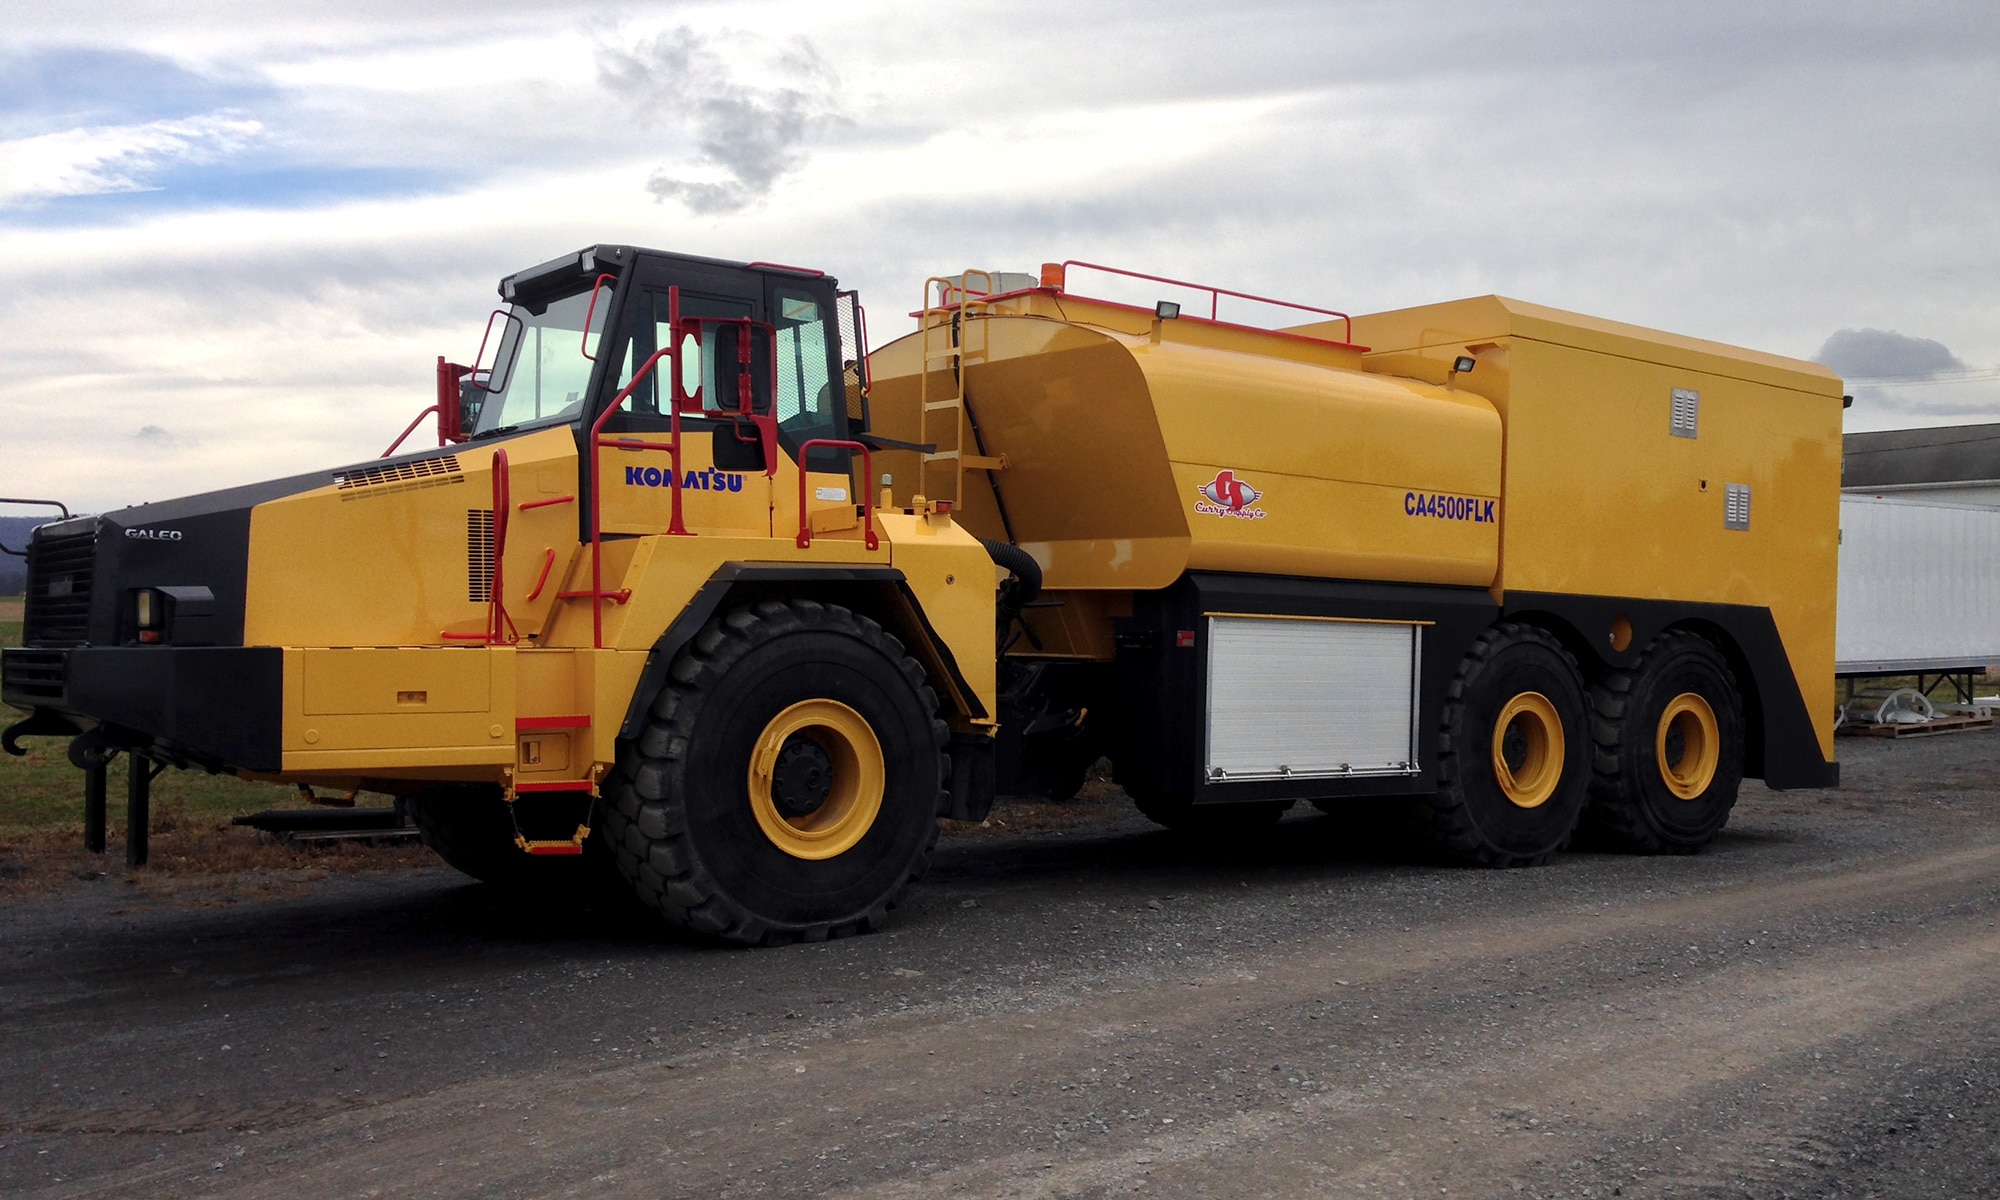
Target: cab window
649,334
809,404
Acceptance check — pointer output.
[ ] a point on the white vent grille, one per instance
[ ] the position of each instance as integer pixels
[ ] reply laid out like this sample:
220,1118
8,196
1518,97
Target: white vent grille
1736,506
400,477
479,554
1687,413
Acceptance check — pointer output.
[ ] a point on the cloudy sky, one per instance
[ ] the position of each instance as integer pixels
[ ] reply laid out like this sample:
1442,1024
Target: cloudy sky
233,243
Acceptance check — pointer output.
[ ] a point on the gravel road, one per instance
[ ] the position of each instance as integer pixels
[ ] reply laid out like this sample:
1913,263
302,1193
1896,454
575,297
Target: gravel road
1809,1008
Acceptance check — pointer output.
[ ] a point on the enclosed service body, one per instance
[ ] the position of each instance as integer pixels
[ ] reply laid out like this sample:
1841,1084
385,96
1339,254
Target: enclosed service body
1598,481
696,589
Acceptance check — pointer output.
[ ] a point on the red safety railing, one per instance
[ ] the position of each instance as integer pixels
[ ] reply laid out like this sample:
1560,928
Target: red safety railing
1215,295
678,328
500,628
446,408
867,490
590,314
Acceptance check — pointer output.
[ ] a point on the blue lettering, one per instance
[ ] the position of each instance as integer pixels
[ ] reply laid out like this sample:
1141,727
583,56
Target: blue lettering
735,483
1409,503
634,475
650,476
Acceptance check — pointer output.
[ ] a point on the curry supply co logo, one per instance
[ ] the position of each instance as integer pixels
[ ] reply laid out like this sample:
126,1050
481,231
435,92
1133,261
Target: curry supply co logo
692,481
1227,496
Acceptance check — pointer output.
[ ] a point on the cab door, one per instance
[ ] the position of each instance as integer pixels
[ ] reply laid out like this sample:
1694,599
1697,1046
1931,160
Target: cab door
726,488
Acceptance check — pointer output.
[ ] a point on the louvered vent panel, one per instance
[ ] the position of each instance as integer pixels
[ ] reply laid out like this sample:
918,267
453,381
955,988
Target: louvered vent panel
1687,413
1736,506
479,554
400,477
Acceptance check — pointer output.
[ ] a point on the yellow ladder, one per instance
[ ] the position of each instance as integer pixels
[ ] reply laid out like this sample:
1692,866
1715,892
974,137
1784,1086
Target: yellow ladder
942,420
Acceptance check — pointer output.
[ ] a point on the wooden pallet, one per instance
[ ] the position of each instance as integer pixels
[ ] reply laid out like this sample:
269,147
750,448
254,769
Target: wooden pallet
1930,728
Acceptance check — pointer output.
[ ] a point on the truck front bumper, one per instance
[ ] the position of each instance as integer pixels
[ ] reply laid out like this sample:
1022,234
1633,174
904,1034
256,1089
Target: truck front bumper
220,706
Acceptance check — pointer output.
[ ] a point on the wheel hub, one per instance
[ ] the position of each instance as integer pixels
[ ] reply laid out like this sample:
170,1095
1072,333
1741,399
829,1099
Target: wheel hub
1528,750
1688,745
802,779
816,779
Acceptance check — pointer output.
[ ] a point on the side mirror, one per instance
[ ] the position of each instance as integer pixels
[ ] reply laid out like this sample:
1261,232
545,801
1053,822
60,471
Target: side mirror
459,396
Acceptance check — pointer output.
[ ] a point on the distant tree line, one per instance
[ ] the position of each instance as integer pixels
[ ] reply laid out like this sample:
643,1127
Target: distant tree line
14,532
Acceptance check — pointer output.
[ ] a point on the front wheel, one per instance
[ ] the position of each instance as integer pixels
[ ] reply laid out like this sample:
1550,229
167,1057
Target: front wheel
1514,750
787,785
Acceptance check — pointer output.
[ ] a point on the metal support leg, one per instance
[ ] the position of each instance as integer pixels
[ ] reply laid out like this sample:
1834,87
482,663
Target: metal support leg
138,809
93,809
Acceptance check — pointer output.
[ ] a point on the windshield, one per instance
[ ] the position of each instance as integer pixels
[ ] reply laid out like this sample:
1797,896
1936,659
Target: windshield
540,368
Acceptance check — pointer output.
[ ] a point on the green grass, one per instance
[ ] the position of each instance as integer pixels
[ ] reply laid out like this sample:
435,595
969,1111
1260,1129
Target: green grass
43,791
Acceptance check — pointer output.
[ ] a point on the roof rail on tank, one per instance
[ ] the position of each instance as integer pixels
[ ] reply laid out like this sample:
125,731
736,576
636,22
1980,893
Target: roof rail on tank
1215,295
1059,289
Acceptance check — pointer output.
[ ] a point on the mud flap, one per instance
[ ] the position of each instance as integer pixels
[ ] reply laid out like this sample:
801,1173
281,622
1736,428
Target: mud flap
970,796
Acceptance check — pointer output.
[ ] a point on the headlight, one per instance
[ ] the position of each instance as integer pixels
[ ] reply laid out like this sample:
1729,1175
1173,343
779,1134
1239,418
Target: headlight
150,610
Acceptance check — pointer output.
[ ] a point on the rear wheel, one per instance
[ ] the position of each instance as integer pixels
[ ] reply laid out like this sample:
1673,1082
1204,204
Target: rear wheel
787,784
1513,763
1669,748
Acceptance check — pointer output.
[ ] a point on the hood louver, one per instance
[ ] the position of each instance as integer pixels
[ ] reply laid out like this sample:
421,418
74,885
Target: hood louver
399,477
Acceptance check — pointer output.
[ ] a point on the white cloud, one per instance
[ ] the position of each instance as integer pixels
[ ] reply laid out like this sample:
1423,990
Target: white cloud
116,158
1763,177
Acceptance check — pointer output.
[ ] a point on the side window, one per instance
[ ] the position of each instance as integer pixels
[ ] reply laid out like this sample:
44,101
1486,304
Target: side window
648,335
806,392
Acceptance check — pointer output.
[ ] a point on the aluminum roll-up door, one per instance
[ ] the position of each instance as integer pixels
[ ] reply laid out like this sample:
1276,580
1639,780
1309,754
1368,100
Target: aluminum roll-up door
1292,698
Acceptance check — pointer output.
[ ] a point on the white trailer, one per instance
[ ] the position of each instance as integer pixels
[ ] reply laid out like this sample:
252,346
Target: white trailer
1919,587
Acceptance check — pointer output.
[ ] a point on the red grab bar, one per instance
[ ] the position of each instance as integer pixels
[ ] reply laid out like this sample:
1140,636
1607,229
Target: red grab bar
867,490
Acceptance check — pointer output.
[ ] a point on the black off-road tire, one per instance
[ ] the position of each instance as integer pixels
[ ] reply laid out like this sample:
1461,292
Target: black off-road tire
1181,815
1470,814
679,816
1631,807
468,826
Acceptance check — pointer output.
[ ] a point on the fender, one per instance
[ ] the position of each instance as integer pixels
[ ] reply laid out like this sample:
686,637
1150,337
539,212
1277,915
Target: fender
732,577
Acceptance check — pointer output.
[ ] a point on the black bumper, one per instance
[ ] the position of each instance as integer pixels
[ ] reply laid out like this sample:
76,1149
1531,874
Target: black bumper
221,706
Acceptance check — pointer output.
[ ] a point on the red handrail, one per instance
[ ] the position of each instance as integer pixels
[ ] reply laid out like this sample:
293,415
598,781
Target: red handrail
597,594
590,314
543,578
1215,294
500,627
867,490
410,429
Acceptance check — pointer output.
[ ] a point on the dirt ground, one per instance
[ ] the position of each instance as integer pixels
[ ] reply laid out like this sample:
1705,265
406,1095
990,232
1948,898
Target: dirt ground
1087,1007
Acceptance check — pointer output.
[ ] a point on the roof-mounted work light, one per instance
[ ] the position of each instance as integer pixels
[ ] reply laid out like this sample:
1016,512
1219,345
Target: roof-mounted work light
1166,310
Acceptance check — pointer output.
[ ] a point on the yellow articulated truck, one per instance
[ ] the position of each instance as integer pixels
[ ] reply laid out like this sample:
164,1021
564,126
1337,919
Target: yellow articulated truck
696,593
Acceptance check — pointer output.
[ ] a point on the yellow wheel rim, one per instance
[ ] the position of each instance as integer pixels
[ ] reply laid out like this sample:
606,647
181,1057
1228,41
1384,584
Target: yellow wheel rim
853,787
1687,745
1528,750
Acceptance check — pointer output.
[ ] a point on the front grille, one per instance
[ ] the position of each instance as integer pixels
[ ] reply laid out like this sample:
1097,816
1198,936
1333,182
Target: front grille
59,569
32,675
